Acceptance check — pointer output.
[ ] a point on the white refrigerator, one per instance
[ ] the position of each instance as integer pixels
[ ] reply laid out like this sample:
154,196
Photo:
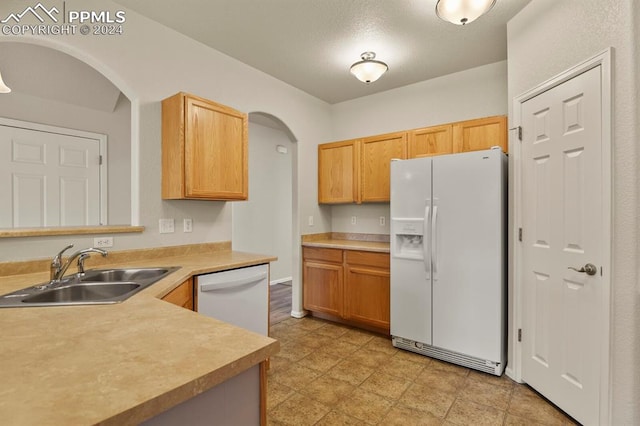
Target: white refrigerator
448,258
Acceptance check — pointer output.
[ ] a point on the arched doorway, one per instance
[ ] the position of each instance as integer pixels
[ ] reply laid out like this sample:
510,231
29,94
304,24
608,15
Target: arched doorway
267,222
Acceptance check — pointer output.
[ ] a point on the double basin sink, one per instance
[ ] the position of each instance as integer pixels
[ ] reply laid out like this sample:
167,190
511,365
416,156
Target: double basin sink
94,287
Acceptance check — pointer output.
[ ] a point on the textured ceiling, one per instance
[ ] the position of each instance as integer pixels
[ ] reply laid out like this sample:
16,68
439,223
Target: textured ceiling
311,44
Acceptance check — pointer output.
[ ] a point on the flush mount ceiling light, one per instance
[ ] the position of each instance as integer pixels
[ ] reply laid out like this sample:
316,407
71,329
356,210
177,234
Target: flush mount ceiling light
461,12
368,70
3,87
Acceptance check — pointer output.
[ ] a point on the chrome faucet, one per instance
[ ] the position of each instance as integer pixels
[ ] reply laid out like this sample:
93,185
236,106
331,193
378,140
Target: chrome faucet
58,269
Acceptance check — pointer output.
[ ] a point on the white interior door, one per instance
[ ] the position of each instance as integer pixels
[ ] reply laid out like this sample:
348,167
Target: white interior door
48,179
563,228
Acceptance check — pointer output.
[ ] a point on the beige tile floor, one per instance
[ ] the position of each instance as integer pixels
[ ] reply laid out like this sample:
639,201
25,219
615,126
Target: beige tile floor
329,374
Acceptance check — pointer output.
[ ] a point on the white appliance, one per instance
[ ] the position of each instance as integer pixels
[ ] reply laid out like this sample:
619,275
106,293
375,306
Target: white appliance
237,296
448,258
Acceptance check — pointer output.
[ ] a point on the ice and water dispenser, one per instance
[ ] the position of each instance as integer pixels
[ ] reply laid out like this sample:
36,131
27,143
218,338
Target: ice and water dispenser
408,238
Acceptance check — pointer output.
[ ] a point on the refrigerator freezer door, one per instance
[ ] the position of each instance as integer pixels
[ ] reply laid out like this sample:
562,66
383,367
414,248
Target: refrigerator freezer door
468,296
410,249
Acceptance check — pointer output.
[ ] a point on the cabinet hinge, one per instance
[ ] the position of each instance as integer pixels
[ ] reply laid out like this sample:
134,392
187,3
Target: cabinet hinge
100,160
519,234
519,335
520,133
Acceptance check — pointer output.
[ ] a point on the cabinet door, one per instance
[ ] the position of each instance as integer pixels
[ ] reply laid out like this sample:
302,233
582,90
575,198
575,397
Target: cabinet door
377,153
430,141
367,288
367,297
216,159
182,295
323,287
479,134
338,172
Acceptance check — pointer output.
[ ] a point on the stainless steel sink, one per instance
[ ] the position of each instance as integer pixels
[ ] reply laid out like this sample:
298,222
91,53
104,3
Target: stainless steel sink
121,275
95,292
94,287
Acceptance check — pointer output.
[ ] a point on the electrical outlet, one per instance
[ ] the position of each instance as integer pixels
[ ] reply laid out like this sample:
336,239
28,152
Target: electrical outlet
103,242
166,226
354,220
383,220
187,225
310,220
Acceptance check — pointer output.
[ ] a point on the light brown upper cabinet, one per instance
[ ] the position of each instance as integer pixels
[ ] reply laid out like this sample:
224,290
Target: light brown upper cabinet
204,150
482,133
377,152
357,171
338,172
435,140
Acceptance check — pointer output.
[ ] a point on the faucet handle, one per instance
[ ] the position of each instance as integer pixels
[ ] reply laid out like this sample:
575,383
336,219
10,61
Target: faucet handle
57,258
81,259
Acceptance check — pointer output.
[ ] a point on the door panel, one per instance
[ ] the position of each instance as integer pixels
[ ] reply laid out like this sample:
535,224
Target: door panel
49,179
562,228
410,250
468,230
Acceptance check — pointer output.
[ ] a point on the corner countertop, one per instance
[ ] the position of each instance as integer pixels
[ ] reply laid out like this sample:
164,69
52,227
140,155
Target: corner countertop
124,363
375,246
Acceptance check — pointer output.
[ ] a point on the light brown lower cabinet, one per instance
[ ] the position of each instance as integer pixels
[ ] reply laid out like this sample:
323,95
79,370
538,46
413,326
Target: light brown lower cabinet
347,285
183,295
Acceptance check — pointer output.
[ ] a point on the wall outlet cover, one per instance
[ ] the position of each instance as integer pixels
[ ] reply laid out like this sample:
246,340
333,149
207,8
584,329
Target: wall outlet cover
354,220
187,225
103,242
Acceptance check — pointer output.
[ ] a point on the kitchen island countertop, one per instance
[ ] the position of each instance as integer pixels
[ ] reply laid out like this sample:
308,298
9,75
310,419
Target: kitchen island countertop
123,363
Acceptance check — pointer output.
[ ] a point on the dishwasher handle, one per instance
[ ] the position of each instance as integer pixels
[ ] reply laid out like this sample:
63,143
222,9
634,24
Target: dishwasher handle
254,279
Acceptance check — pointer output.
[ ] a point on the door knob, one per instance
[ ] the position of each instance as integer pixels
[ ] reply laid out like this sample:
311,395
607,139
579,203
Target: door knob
589,269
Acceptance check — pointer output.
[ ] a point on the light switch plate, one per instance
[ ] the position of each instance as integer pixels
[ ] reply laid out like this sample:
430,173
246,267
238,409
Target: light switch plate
166,226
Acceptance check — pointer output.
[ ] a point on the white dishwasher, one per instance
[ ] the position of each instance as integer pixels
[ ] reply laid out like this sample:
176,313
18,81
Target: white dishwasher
237,296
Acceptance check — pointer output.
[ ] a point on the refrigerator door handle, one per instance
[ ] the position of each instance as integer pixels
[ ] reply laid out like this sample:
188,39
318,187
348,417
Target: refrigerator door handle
425,245
434,241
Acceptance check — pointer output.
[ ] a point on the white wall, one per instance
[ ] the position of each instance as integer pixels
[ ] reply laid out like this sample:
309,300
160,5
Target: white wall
150,62
263,224
116,125
474,93
546,38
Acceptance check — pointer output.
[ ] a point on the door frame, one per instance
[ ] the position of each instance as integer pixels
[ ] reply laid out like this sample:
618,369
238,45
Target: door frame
102,144
604,61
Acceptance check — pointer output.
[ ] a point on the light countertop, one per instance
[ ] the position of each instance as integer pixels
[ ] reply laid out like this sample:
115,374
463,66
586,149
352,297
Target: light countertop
375,246
124,363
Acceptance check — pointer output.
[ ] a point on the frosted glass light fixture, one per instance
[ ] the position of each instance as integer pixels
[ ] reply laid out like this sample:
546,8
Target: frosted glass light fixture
368,69
461,12
3,87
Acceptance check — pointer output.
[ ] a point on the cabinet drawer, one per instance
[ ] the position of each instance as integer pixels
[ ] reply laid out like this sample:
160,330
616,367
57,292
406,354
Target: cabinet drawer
326,254
379,260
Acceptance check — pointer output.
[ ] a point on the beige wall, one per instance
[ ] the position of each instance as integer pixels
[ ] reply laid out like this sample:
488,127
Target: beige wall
546,38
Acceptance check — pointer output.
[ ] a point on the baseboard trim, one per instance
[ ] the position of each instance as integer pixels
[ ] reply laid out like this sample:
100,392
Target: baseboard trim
281,280
299,314
511,374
